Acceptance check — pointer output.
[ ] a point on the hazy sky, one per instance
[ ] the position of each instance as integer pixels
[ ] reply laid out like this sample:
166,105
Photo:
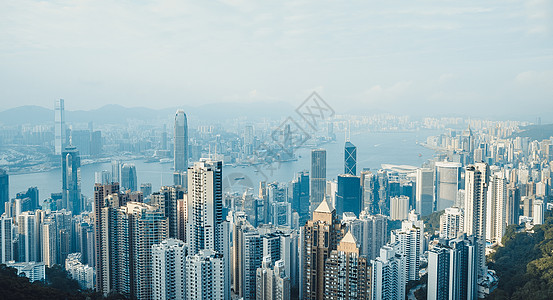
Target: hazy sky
404,56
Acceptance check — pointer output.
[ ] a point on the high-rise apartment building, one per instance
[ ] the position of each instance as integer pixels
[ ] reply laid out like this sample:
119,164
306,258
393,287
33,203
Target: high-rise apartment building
318,177
496,209
272,281
399,208
452,223
452,270
248,257
319,237
6,240
350,159
369,191
409,242
71,180
388,275
476,190
424,192
181,142
169,270
205,276
347,273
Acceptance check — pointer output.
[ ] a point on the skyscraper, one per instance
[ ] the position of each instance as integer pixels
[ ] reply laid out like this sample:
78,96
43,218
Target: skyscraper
248,256
388,275
347,273
476,189
71,180
451,270
318,177
448,179
181,142
129,181
348,196
452,223
205,276
272,283
350,159
496,209
425,192
300,196
205,227
369,191
4,190
319,237
59,126
6,240
169,270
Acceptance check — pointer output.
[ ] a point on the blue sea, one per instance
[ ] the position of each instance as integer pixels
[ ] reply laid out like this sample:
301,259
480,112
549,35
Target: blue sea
373,149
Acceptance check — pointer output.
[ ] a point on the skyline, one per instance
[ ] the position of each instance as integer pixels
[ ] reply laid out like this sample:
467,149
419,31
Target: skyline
435,56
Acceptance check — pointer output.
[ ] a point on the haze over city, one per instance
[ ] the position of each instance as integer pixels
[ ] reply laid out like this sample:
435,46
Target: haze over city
276,150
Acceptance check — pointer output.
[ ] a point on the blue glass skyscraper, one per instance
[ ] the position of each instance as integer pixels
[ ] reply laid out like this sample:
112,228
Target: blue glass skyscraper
350,159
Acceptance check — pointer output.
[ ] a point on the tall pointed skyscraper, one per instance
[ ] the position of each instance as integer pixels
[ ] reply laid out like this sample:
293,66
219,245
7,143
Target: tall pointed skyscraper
350,158
318,177
181,142
319,237
59,126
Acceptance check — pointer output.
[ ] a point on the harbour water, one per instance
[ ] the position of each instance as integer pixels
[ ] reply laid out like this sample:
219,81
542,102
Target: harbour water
373,149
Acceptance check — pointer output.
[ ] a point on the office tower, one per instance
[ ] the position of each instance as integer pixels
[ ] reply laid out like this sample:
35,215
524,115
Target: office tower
388,275
32,194
101,192
171,196
71,180
448,180
59,126
102,177
409,242
476,190
383,196
205,275
182,217
425,192
323,227
452,223
300,196
129,181
272,282
83,273
6,240
169,270
116,171
318,177
330,193
347,274
369,191
179,178
281,214
451,270
348,196
181,142
399,208
264,198
95,143
350,159
248,256
4,190
496,209
146,189
29,240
